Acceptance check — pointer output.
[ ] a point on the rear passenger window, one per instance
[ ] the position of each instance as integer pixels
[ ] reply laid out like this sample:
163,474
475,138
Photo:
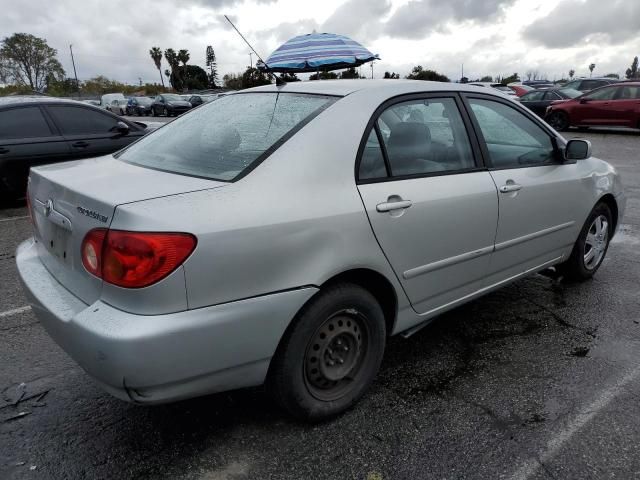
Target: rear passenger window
372,161
79,120
630,93
26,122
512,139
425,137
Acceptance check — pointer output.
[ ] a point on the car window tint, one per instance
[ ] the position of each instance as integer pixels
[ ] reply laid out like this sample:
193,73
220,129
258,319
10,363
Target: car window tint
532,97
512,139
630,93
78,120
25,122
575,85
591,84
372,161
425,136
551,96
602,94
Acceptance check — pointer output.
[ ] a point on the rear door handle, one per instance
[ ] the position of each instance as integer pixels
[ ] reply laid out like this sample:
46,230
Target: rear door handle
389,206
80,144
512,187
4,150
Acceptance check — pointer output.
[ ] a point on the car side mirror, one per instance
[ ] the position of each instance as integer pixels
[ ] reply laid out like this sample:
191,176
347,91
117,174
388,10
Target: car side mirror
122,128
577,150
584,100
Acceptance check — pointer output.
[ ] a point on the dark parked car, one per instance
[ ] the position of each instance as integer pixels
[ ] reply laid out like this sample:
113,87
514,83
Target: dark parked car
40,130
196,100
169,105
588,84
614,106
139,106
538,100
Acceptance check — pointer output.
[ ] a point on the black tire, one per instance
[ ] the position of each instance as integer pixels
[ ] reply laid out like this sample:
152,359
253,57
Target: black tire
153,112
345,325
558,120
165,112
576,268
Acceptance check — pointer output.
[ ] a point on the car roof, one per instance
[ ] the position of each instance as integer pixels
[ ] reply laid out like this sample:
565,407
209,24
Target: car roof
36,99
390,86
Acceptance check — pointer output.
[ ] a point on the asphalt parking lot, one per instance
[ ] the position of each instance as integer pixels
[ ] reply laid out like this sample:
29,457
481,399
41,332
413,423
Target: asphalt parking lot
540,380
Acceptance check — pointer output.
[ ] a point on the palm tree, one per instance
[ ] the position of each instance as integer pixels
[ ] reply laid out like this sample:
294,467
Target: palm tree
156,55
591,67
572,72
183,56
172,59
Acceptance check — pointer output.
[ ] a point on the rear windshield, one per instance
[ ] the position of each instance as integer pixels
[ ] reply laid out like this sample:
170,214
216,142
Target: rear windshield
223,138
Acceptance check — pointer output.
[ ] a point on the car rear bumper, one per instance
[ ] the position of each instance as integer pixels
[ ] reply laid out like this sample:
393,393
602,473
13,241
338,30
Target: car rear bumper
161,358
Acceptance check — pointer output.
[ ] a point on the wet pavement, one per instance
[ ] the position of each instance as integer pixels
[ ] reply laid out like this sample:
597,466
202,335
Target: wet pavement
540,380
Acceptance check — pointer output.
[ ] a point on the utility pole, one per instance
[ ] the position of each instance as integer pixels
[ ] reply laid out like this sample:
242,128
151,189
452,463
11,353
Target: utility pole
372,70
251,59
75,74
140,80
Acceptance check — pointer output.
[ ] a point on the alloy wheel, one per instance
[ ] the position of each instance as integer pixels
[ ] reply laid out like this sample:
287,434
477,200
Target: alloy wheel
596,242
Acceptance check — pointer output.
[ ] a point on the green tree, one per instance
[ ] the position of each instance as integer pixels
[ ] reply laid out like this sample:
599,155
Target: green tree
324,76
418,73
189,77
612,75
26,60
289,77
349,73
391,75
252,77
487,78
572,72
633,73
212,66
156,55
232,81
513,78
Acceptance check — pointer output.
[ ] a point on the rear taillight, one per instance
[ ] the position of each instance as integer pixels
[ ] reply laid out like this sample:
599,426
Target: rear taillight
134,259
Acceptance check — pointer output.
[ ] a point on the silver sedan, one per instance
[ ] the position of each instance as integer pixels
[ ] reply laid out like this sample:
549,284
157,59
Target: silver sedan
280,235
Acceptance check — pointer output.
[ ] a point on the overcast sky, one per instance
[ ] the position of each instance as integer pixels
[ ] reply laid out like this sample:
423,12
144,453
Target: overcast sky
489,37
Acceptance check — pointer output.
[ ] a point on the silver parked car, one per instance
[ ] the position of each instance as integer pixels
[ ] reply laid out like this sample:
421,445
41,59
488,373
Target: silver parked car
281,234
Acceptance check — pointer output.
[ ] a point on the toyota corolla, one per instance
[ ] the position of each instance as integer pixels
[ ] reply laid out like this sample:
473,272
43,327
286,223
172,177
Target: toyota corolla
280,235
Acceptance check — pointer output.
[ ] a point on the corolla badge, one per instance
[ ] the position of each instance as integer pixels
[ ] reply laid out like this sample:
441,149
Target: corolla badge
48,207
92,214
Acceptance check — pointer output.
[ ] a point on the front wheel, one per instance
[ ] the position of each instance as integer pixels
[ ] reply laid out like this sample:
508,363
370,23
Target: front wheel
165,112
330,355
558,120
591,247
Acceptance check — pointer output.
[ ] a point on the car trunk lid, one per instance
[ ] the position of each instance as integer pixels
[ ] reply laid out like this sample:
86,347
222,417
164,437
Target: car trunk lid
69,199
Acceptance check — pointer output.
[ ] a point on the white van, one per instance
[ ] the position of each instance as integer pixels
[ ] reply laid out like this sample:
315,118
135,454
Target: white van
106,100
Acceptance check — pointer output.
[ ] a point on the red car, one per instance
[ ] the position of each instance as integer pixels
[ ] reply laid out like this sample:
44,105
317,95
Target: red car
615,105
521,89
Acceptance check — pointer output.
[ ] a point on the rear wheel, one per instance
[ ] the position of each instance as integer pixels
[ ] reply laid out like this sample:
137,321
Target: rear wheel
558,120
330,355
591,246
153,112
165,112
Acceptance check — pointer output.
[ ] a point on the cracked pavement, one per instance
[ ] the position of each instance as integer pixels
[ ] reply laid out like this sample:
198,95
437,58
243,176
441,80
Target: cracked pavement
540,380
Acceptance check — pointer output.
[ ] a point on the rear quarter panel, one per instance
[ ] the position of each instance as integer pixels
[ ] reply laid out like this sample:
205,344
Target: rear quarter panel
296,220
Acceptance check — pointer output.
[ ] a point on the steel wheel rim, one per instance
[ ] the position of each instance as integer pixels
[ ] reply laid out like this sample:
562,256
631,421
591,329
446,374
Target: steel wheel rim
335,355
595,245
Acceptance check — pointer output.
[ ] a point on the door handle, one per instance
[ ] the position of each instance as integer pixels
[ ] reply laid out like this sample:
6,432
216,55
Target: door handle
390,206
80,144
4,150
511,187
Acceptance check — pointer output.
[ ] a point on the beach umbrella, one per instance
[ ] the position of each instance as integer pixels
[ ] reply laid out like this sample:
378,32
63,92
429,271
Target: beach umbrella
317,51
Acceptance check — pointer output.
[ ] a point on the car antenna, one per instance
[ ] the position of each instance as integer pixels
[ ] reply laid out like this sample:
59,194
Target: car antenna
279,81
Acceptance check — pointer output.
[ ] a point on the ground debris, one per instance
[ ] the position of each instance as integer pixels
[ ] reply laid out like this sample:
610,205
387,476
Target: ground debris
17,416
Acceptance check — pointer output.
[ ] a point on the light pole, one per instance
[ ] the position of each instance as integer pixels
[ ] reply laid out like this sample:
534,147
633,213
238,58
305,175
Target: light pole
251,59
74,68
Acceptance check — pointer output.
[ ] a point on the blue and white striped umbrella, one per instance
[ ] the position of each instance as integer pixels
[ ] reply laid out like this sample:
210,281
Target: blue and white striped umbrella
317,51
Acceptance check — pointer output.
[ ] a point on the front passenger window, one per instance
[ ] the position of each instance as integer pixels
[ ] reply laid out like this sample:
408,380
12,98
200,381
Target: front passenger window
512,139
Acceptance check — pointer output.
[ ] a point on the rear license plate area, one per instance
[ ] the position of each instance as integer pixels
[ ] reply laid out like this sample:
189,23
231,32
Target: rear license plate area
57,242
